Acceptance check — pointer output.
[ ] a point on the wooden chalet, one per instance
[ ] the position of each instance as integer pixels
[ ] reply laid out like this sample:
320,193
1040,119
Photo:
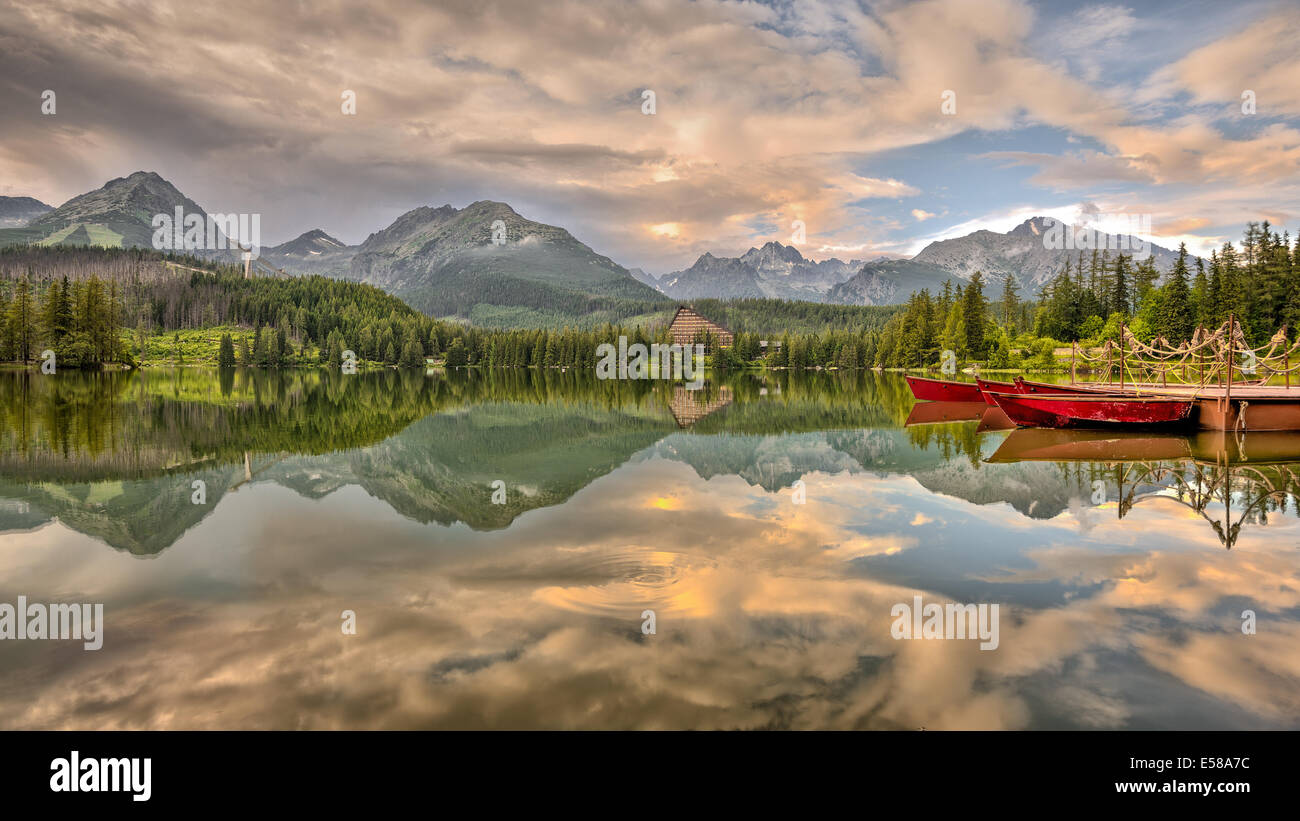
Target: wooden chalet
687,325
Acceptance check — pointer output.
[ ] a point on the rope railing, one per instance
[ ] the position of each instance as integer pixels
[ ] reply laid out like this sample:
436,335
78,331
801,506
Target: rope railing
1209,357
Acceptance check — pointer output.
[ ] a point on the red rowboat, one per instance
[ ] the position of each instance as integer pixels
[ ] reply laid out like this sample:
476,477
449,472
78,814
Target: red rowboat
1092,411
1025,386
986,386
1128,387
1022,386
939,390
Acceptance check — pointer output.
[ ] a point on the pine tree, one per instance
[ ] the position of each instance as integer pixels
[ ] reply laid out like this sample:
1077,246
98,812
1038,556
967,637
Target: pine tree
1144,281
6,340
1200,295
1175,320
412,354
1099,283
333,349
56,315
1010,302
22,321
457,355
226,354
1216,303
974,309
1119,300
1233,293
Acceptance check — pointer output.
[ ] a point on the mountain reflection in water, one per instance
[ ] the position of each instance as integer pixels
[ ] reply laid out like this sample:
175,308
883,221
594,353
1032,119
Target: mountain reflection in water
1120,606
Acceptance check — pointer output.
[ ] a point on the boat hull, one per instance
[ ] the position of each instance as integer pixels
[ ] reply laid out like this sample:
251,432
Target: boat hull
941,390
987,386
1069,411
1048,389
1024,386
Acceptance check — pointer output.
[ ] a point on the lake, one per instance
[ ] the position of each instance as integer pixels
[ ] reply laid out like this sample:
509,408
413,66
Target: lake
527,549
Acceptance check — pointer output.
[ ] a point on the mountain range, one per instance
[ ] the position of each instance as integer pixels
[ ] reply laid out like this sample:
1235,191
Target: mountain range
781,271
16,212
119,214
487,263
449,261
1021,252
775,270
315,252
483,262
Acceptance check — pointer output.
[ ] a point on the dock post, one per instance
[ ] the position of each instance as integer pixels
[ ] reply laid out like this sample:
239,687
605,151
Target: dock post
1121,356
1200,360
1230,357
1074,347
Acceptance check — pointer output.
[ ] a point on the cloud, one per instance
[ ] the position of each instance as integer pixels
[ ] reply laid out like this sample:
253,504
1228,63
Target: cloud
764,115
1072,170
1261,58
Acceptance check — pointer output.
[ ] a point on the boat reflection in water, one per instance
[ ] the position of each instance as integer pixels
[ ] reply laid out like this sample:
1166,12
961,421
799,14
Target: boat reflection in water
990,417
1246,476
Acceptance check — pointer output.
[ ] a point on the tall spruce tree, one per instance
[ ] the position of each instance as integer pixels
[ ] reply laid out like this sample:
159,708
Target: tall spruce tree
22,321
226,353
1010,302
1119,299
1175,320
974,310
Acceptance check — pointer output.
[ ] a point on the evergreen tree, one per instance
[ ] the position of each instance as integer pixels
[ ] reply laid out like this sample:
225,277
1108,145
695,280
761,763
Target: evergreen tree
333,349
6,340
1175,320
1200,295
1010,302
1145,276
22,321
412,354
1119,299
457,356
974,309
226,354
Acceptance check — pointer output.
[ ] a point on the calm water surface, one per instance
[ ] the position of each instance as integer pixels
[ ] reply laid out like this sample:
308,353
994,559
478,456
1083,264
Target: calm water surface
1121,565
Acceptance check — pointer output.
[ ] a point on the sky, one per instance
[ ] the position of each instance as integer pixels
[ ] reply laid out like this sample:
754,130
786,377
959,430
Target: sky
876,126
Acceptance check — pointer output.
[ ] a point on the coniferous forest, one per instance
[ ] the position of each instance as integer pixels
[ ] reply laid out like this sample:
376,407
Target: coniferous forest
93,307
1095,293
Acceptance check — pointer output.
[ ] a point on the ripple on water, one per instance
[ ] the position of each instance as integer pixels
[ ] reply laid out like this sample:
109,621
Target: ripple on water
623,581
